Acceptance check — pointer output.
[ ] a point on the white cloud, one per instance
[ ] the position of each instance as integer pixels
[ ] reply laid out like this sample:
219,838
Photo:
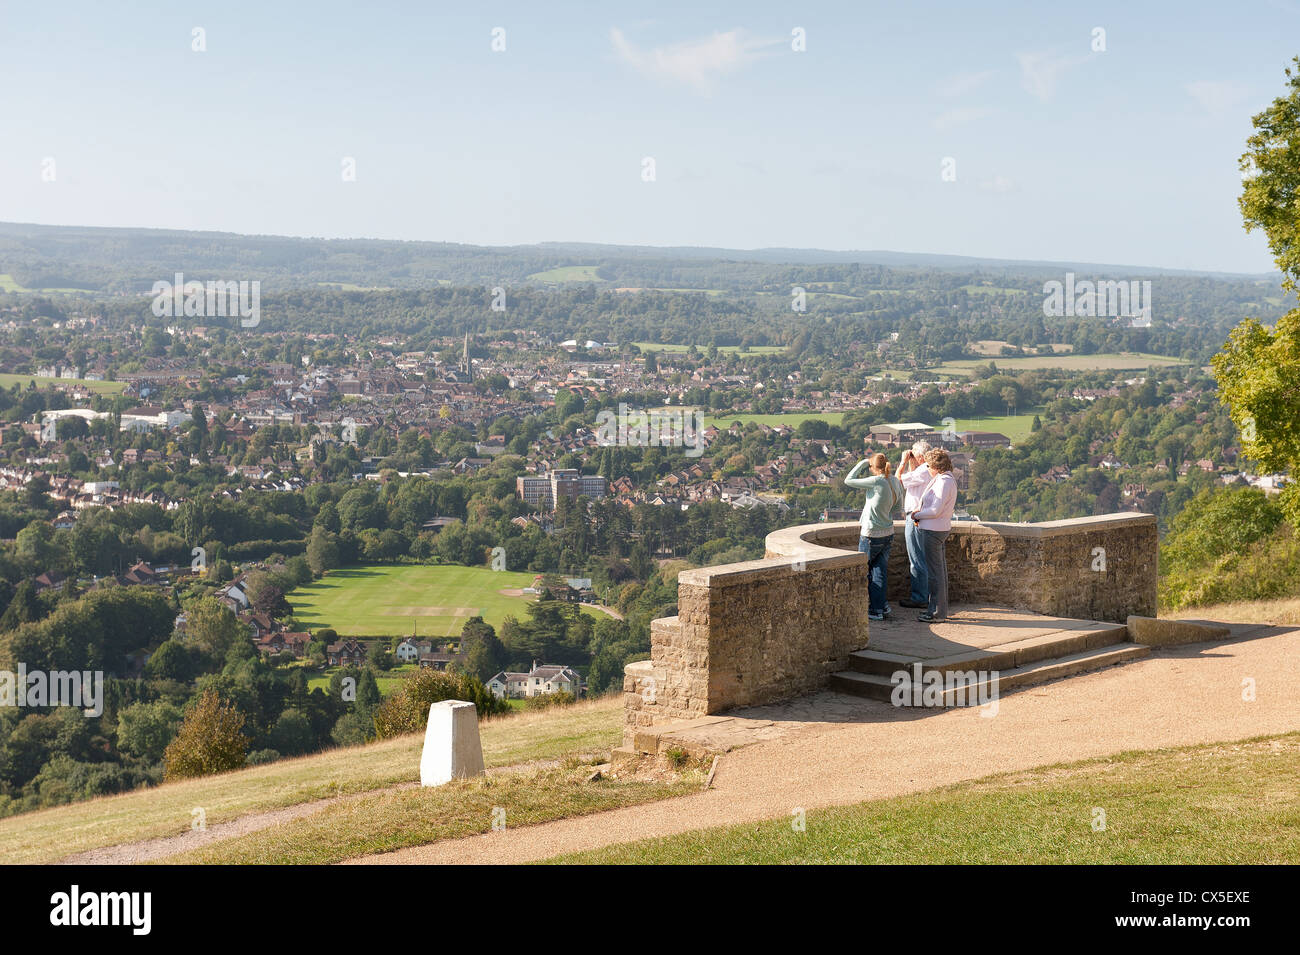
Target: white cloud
697,63
1040,72
1216,98
963,83
961,116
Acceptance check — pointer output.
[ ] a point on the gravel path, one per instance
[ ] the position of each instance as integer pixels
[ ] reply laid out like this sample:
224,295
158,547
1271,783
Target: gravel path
1181,696
151,850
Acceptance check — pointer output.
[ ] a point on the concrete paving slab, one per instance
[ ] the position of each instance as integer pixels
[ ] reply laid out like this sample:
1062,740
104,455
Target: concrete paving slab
968,627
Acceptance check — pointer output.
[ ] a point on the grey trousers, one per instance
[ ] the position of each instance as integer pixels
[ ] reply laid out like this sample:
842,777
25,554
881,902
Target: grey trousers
936,565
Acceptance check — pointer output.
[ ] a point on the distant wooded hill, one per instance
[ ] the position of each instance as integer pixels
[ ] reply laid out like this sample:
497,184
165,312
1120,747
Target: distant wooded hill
43,258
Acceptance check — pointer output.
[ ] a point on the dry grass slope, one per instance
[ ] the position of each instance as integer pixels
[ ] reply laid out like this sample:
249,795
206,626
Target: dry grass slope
52,834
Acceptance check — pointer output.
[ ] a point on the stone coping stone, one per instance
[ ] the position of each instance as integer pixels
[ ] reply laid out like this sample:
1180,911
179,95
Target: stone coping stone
792,550
646,739
812,557
1168,633
811,533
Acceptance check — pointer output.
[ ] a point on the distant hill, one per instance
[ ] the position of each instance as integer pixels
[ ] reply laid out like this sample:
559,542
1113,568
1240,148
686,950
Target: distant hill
41,258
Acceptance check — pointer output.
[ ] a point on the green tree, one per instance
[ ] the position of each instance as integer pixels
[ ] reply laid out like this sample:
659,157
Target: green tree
171,661
292,734
210,740
1270,167
212,628
145,729
1258,370
484,653
322,550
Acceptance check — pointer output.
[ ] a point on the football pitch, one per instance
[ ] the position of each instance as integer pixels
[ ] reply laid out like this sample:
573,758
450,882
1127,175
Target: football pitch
426,601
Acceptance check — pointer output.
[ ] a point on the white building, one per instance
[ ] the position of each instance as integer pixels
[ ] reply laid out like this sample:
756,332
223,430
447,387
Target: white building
539,681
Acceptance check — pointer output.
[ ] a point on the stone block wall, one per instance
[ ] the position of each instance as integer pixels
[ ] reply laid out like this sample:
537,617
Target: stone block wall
776,628
1094,568
750,633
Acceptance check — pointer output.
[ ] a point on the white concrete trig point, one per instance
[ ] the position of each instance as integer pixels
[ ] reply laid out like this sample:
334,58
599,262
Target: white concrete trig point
451,744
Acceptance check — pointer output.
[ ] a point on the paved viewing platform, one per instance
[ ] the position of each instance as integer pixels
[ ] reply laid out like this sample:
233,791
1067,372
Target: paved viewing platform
988,649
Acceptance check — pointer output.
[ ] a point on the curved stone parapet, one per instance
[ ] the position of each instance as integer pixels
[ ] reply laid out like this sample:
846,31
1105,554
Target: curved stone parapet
776,628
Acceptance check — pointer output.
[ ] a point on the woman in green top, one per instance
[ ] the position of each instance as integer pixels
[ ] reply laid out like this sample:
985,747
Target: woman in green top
884,503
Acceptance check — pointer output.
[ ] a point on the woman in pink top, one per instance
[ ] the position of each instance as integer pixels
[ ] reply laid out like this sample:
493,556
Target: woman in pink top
933,517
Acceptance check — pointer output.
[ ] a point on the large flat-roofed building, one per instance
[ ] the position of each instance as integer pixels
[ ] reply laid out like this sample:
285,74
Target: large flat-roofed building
534,490
544,490
901,434
984,439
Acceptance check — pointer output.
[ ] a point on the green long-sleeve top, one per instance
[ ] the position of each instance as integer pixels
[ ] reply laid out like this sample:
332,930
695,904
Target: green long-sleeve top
884,501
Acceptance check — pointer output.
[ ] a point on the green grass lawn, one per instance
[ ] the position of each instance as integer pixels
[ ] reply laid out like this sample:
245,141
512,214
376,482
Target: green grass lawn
1016,426
98,387
1112,362
387,681
430,601
724,421
1216,804
568,273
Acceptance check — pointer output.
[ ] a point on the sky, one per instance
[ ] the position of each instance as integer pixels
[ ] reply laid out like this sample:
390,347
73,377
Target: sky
1012,130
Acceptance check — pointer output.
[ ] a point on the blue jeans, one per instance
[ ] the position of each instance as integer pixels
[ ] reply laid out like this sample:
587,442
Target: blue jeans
877,551
936,563
916,560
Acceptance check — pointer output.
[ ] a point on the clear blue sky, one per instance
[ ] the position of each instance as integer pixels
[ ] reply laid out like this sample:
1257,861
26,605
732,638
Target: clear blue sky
1123,156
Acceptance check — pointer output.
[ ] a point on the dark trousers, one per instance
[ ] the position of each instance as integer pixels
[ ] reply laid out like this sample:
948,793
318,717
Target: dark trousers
877,551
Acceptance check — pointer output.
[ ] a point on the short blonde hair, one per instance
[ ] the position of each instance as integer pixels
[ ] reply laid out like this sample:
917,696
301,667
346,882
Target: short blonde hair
938,460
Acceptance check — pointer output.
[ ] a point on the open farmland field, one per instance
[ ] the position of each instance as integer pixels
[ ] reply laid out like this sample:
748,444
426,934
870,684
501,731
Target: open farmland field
994,348
1111,362
567,273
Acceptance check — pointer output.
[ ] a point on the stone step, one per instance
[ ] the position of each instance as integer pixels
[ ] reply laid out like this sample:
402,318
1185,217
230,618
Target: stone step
880,687
1004,656
650,739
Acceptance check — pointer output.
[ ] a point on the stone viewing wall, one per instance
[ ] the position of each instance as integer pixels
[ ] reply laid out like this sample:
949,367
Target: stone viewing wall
776,628
751,633
1043,568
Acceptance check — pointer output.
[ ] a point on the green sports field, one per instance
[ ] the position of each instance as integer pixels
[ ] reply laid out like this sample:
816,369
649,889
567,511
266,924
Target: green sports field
428,601
724,421
98,387
1016,427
